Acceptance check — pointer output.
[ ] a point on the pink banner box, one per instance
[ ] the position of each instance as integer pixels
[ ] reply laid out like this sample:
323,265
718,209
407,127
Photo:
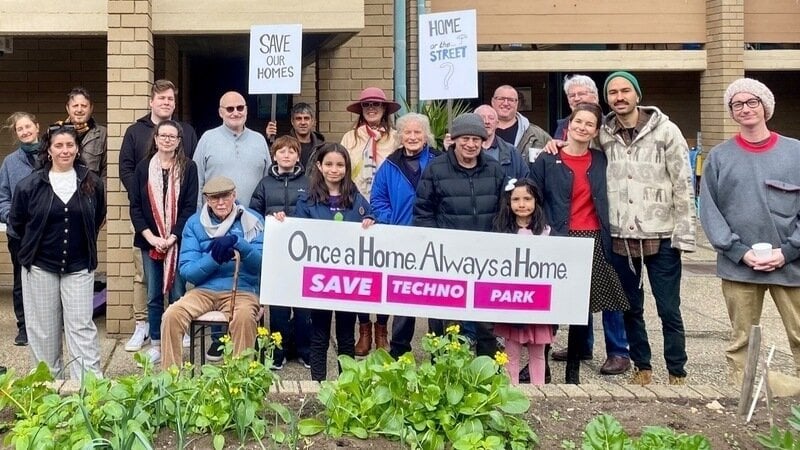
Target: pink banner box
522,297
337,284
426,291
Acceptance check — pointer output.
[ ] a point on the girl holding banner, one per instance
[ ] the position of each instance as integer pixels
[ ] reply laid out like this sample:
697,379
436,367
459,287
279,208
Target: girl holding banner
332,195
371,140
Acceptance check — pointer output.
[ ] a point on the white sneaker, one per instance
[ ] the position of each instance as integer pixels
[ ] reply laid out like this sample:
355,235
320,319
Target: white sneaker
154,353
140,334
186,341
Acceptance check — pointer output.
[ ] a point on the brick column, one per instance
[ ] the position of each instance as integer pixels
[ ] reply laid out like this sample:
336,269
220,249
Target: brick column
363,61
725,53
130,75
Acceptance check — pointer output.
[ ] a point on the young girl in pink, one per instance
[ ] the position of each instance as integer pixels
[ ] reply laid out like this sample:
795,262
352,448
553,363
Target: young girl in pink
521,213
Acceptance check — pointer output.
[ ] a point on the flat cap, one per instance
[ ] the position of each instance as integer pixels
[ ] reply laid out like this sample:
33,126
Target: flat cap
218,185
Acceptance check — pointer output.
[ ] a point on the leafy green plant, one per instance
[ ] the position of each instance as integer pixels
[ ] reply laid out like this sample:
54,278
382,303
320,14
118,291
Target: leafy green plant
783,439
436,111
452,397
605,432
126,413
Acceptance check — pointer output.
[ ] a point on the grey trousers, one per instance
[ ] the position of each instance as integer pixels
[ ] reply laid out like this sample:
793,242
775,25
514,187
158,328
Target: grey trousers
56,302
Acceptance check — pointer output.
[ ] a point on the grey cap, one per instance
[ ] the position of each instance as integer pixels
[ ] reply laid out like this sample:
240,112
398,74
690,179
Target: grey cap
468,124
218,185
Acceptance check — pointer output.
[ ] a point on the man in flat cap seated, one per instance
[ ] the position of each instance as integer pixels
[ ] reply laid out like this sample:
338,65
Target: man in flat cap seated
207,248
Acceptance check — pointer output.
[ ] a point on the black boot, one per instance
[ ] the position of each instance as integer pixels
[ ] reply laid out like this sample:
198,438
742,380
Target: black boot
572,374
547,377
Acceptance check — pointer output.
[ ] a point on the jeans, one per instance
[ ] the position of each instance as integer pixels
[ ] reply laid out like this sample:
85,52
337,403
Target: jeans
380,319
154,274
16,293
614,333
664,274
296,332
321,339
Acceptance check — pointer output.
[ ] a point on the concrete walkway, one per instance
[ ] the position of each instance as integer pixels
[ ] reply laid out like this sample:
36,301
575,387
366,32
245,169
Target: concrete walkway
704,314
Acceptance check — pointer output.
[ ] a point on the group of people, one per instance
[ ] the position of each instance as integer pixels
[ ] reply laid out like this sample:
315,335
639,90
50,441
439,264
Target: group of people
197,210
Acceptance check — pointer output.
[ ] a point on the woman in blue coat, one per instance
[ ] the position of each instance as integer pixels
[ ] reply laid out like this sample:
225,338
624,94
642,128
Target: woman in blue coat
393,193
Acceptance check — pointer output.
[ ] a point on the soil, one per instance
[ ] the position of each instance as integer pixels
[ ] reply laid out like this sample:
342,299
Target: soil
559,423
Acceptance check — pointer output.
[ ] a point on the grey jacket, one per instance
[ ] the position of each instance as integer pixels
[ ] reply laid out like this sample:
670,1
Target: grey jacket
529,136
15,168
748,197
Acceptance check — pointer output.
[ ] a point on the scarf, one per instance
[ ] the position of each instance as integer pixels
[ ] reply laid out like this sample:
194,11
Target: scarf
31,149
251,226
165,214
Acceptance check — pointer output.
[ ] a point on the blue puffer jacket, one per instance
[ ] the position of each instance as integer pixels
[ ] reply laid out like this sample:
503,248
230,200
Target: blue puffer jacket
393,195
307,209
199,268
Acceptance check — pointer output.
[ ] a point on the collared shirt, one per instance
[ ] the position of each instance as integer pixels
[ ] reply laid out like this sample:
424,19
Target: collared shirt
629,134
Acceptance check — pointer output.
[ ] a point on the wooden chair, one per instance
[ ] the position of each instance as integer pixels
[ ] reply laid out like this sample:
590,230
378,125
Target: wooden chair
200,327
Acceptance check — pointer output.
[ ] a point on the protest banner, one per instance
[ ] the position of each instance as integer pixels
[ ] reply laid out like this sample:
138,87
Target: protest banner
276,53
448,55
426,272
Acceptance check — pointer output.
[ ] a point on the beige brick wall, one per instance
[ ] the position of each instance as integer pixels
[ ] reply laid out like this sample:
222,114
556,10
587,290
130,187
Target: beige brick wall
363,61
130,75
308,86
36,78
725,53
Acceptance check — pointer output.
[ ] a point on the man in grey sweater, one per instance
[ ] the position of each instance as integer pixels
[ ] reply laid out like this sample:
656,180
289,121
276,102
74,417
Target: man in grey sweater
750,194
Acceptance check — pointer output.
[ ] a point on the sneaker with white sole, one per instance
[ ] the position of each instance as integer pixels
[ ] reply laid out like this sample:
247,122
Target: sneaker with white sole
140,335
154,354
214,352
186,341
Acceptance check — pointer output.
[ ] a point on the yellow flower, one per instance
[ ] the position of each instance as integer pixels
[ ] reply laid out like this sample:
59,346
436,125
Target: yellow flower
253,364
430,335
277,338
173,371
225,339
233,390
501,358
187,365
455,345
406,359
262,332
453,329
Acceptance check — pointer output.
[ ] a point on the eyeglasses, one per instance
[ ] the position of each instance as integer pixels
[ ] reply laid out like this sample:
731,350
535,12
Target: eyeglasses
371,104
506,99
230,109
59,126
168,137
579,94
216,198
751,103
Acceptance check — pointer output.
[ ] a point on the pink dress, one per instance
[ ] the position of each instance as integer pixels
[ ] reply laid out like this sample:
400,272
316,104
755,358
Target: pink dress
526,333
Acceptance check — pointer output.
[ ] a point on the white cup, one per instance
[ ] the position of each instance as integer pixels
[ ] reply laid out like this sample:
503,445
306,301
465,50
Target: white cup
534,153
762,250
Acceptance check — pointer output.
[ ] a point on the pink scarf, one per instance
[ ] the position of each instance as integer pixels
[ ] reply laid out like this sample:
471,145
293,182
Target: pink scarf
165,213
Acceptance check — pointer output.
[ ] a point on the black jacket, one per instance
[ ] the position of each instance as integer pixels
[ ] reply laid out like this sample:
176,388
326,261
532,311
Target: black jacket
555,180
136,144
141,210
279,191
450,196
31,204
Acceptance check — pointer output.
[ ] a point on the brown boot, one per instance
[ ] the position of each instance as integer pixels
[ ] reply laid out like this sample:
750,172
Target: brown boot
381,339
364,344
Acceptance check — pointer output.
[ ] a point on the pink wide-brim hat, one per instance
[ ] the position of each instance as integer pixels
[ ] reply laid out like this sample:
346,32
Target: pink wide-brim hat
373,94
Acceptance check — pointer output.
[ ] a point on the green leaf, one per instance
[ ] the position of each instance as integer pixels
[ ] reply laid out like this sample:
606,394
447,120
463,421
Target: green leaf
348,363
219,440
481,369
454,392
382,395
604,433
514,402
358,432
282,411
310,426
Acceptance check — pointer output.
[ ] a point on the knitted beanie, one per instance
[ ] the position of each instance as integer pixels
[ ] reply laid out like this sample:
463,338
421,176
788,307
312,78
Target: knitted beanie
754,87
628,76
468,124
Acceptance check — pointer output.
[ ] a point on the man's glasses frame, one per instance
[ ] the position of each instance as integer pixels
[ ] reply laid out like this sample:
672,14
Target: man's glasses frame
231,109
751,103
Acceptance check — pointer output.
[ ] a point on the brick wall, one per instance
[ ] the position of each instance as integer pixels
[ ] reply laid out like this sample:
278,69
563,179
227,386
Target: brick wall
725,53
130,75
363,61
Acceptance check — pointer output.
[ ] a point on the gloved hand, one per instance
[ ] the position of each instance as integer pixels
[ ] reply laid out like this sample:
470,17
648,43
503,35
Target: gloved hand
222,248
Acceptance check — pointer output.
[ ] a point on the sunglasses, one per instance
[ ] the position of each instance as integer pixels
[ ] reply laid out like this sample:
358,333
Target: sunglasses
231,109
371,104
60,126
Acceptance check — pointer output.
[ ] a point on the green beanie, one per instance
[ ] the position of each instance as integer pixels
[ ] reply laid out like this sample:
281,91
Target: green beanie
622,74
